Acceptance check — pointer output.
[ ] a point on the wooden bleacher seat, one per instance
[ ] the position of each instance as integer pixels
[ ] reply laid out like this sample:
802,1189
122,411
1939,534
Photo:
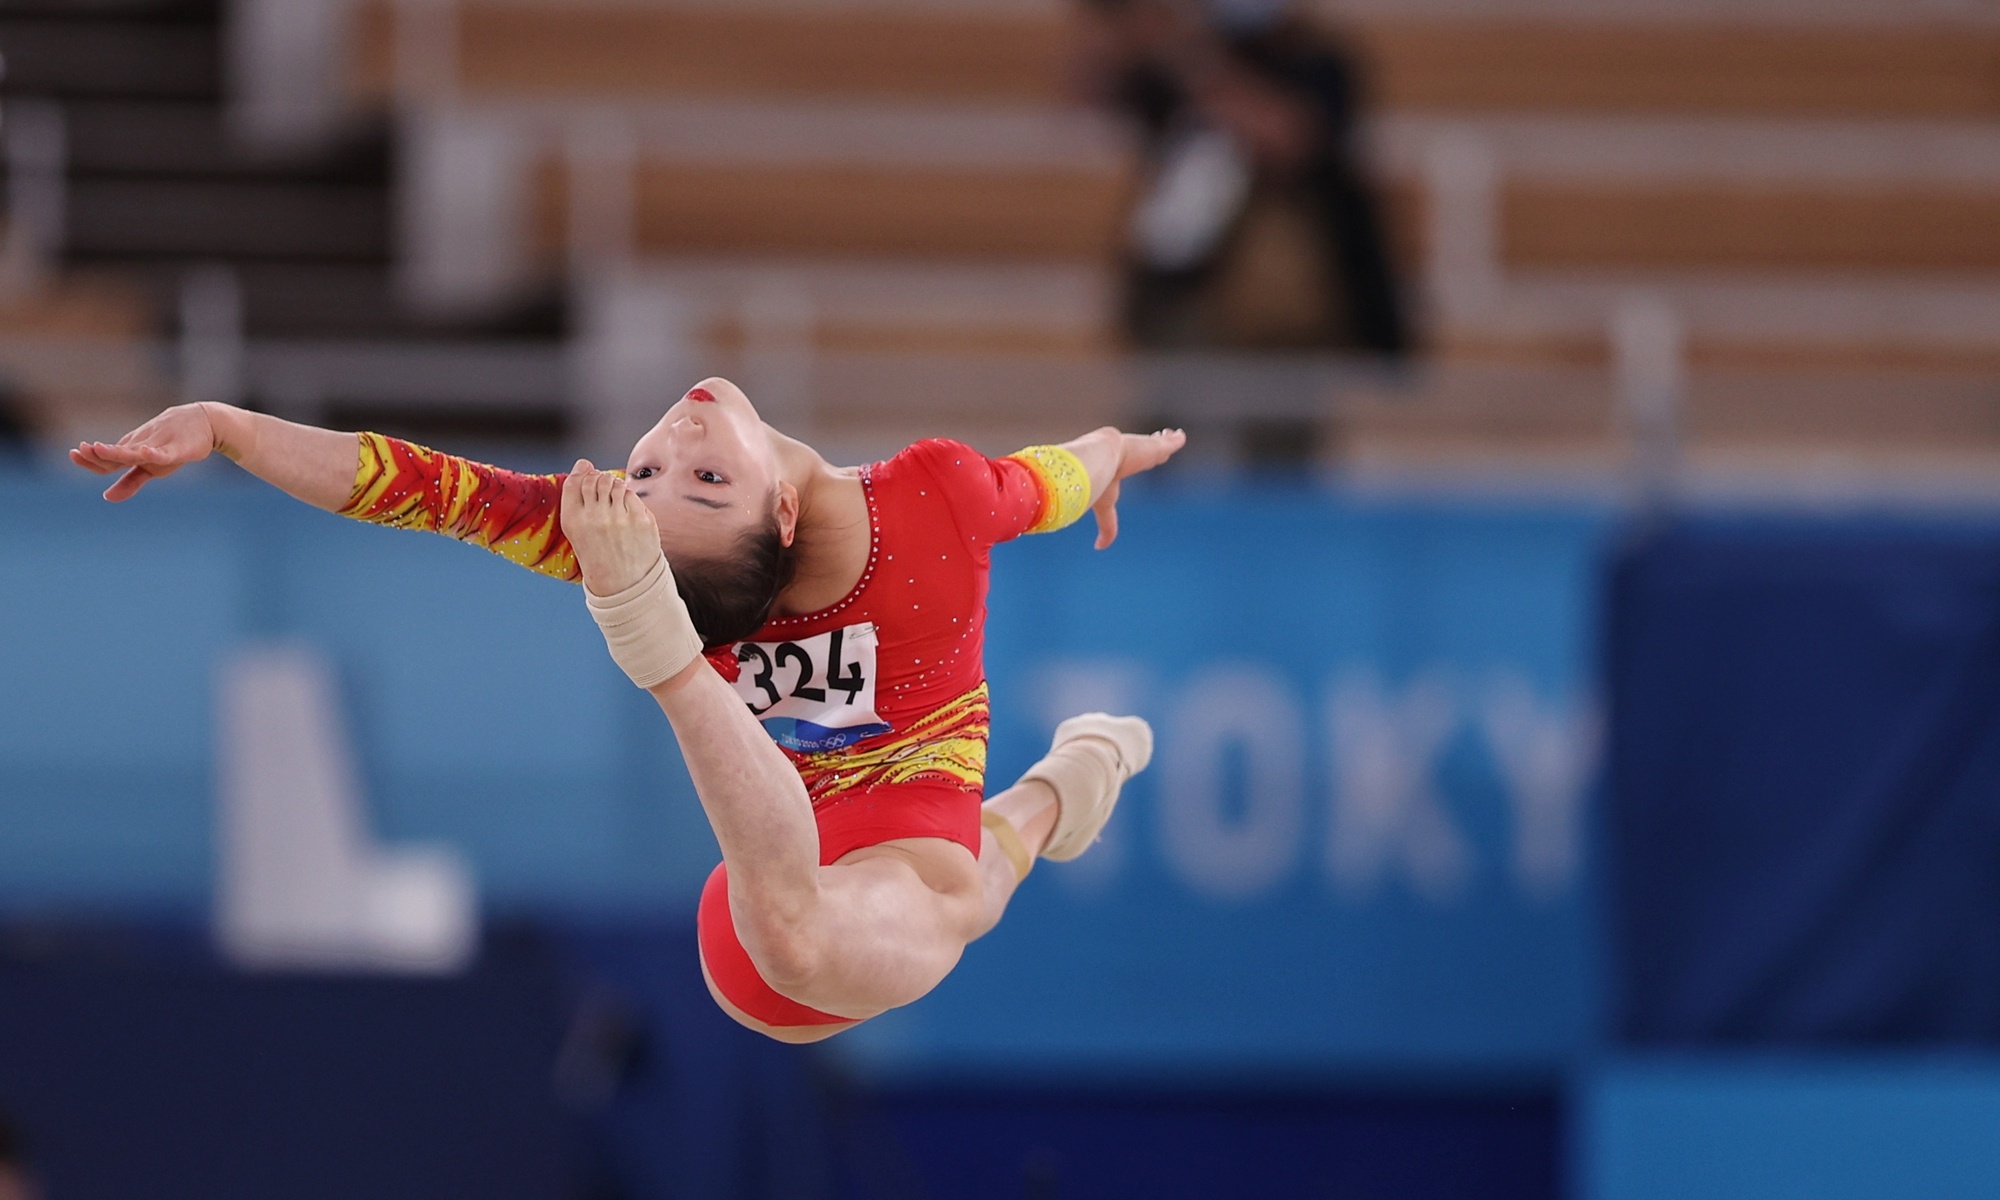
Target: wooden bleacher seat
1689,68
954,53
860,210
1018,54
77,307
79,352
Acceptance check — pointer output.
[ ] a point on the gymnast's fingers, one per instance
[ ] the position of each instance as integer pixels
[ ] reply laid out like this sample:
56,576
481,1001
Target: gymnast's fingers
131,455
91,454
572,489
637,508
104,458
1145,453
82,457
1106,511
128,484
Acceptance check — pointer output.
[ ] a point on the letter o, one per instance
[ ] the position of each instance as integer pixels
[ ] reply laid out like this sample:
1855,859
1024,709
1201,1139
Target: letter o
1232,857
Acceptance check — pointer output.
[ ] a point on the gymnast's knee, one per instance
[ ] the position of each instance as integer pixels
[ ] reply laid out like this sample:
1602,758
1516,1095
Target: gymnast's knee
747,989
783,947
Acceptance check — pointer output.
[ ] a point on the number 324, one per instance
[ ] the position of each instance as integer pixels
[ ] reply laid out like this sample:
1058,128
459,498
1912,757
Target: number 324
844,677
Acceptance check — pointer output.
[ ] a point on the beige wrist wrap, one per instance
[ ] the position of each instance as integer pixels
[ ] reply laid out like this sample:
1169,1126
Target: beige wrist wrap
647,627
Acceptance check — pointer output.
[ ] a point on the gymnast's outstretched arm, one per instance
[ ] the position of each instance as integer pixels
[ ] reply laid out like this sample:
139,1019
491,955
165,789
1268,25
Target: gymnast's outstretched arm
315,465
366,476
1043,488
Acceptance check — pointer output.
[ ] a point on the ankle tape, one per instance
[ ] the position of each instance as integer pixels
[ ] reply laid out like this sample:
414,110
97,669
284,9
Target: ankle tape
647,627
1009,842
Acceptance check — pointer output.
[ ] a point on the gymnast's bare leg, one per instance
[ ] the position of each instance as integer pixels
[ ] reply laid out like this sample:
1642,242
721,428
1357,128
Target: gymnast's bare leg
884,924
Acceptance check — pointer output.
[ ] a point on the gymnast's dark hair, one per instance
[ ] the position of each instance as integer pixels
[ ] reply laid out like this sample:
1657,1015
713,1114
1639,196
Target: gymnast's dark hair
730,598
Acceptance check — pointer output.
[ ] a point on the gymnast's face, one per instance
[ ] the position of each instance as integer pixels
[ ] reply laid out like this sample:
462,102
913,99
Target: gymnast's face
708,471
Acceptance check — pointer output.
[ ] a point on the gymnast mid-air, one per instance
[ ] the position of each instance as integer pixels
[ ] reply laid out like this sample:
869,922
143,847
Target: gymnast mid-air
816,645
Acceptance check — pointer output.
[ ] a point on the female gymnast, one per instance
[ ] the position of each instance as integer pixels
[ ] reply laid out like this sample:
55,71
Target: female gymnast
816,647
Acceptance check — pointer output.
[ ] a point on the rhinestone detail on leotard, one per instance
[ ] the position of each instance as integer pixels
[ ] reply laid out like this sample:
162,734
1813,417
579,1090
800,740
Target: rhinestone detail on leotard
867,572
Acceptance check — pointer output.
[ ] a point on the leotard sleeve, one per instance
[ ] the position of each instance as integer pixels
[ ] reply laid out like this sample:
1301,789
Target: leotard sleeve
1037,490
516,516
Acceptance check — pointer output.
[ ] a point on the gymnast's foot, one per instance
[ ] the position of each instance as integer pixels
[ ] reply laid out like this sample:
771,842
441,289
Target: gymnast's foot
612,532
1093,755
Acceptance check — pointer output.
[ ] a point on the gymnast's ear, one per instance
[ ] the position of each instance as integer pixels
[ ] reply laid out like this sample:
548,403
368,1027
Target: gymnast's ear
785,507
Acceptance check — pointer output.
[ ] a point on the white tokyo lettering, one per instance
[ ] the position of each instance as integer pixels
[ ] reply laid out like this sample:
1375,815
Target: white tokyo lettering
1547,755
1387,813
1241,715
1239,777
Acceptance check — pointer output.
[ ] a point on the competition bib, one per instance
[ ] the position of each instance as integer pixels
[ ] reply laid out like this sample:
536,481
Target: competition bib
815,693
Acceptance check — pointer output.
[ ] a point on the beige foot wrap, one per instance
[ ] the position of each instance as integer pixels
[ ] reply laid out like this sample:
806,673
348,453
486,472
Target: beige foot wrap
1009,841
1092,757
647,627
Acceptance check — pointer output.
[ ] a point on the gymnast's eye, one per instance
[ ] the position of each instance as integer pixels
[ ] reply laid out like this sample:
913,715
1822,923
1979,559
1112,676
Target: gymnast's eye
708,477
641,473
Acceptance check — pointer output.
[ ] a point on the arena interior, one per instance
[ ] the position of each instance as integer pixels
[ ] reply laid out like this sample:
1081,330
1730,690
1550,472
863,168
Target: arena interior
1571,634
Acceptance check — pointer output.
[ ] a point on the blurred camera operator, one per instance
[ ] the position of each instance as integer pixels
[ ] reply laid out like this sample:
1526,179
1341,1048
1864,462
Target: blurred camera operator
1255,226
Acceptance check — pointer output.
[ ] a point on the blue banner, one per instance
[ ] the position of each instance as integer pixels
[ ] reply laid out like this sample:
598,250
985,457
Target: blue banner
1803,775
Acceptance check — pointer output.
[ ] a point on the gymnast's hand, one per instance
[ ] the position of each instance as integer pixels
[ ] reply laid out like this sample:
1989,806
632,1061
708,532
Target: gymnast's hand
181,435
1137,452
611,530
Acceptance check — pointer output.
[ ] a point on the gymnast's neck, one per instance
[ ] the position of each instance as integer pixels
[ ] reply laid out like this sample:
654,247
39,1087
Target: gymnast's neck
832,535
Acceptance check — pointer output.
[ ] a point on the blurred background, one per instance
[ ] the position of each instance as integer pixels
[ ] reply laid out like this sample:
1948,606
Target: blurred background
1573,632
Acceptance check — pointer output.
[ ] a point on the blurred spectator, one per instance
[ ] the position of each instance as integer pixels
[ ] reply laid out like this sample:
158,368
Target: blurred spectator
1255,227
14,1181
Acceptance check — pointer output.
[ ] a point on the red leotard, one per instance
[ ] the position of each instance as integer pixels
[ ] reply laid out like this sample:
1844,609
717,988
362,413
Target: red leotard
935,511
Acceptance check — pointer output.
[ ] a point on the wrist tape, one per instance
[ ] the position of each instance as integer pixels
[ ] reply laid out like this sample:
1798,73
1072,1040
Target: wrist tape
647,627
